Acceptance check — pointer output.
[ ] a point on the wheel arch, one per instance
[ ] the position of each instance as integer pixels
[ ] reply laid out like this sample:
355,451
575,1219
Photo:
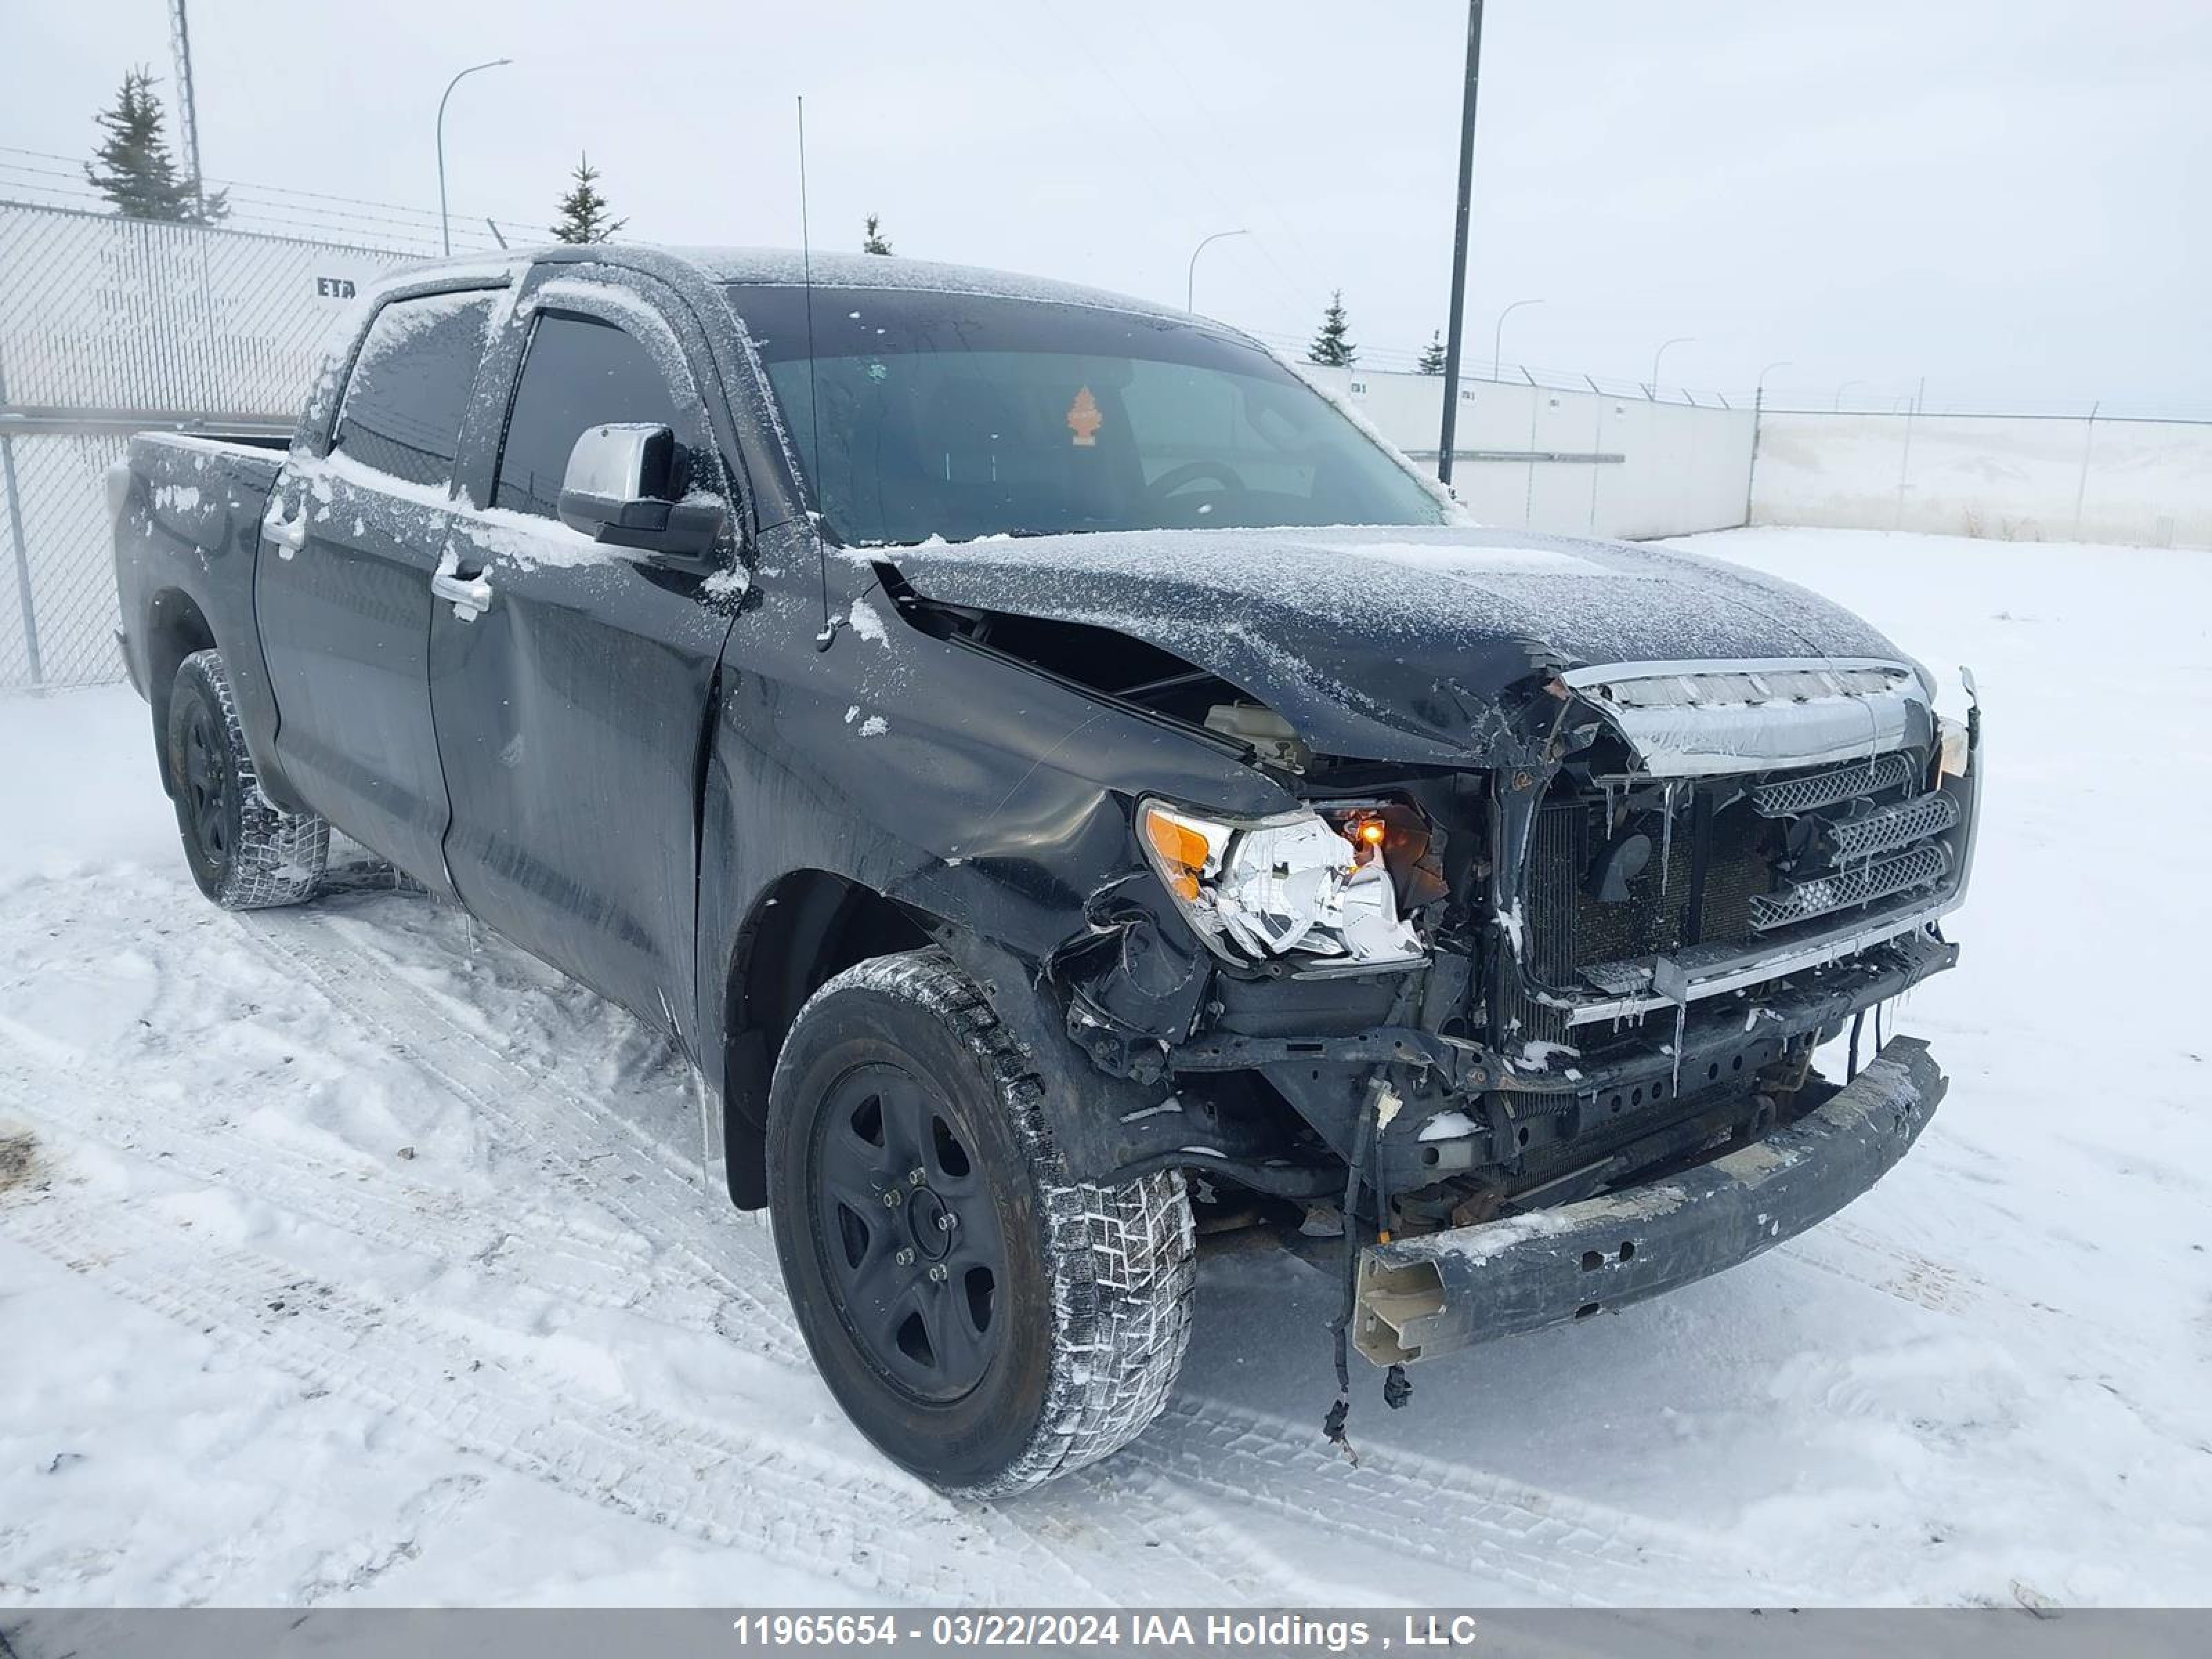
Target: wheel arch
806,926
175,628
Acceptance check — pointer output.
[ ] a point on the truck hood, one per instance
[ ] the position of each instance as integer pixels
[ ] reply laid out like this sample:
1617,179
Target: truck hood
1396,644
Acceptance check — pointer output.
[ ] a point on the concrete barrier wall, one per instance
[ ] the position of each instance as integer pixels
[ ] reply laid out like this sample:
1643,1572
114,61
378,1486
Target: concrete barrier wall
2010,477
1580,463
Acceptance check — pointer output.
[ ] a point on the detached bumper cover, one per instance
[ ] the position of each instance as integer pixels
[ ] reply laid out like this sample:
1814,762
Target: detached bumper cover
1423,1296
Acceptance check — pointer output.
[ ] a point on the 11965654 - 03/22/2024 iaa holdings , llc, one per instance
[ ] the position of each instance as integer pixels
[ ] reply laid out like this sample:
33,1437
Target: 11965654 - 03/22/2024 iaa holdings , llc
1273,1631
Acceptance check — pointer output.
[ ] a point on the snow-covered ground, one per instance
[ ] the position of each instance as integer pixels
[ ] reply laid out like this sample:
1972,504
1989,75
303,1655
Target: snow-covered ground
347,1254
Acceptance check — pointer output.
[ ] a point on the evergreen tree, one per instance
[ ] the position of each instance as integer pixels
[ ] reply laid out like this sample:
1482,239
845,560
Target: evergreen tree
1332,346
583,209
132,168
1432,354
877,242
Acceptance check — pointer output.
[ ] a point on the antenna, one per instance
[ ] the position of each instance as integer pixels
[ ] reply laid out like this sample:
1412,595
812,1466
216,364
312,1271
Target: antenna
829,633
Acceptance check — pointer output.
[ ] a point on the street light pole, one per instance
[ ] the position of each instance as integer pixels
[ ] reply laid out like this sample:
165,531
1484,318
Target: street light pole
1497,334
1679,339
1190,279
1837,407
1449,434
445,230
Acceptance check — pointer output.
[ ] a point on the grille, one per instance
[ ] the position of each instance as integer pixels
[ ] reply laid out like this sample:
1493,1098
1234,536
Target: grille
1821,896
1775,853
1788,797
1889,827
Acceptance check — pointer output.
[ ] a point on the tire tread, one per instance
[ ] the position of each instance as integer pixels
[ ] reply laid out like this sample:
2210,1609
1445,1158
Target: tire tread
280,856
1123,1258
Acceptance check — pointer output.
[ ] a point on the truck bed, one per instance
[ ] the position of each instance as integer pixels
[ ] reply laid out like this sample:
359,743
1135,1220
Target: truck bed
186,510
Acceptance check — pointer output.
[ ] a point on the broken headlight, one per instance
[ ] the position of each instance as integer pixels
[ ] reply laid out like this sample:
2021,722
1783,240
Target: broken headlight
1298,884
1953,748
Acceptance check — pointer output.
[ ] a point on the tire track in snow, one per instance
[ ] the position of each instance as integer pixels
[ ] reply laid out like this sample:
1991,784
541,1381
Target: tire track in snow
588,1158
404,1216
364,1200
727,1486
1523,1541
590,1153
1841,1248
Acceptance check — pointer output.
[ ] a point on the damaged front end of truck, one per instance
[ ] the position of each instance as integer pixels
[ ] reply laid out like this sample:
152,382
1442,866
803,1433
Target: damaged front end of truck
1523,981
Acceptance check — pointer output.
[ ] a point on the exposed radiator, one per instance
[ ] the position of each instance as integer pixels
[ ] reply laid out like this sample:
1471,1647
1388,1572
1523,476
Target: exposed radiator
1756,858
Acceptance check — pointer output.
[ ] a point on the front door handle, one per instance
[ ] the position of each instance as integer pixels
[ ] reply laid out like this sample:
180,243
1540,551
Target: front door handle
470,596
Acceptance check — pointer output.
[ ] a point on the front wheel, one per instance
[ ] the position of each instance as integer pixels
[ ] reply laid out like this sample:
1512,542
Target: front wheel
246,853
987,1320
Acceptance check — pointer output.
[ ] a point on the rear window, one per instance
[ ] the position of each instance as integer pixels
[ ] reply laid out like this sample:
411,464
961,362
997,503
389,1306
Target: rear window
402,407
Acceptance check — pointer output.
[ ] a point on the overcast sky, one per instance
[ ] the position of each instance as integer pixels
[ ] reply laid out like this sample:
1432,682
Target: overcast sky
2006,196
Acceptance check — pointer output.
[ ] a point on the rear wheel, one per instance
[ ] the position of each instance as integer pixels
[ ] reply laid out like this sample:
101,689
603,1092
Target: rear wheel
988,1321
245,853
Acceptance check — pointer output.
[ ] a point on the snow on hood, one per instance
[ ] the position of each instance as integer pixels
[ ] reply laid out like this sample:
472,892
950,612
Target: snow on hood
1392,644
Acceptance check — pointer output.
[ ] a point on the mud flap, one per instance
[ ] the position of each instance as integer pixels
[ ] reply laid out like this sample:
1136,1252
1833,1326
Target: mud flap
1422,1296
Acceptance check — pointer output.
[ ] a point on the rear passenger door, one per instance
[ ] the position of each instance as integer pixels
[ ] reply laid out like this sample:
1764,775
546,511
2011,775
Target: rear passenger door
341,588
572,693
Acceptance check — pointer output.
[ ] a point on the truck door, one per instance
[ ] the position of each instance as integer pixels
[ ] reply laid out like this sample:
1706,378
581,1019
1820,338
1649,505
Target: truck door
571,690
341,588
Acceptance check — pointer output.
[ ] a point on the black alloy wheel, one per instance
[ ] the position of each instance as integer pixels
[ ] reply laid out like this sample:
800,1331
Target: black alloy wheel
987,1317
207,784
908,1234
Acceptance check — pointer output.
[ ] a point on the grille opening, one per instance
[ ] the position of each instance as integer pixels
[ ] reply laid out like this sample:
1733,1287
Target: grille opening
1725,862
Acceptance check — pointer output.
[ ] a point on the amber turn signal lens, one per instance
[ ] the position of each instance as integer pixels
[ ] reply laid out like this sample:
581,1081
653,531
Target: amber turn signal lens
1182,852
1372,832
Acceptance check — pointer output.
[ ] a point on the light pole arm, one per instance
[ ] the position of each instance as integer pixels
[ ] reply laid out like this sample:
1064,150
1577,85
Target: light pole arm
1190,277
444,229
1679,339
1497,334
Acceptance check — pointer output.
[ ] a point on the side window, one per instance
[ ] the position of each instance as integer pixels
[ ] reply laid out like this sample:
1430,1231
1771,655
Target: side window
578,372
402,407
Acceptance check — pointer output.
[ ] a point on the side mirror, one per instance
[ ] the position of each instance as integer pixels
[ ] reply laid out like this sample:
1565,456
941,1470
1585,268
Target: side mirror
621,487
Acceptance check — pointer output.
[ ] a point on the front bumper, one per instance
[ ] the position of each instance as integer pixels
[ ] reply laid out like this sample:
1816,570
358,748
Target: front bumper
1422,1296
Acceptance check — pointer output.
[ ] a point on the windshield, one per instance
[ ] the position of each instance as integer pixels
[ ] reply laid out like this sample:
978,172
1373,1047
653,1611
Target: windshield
961,415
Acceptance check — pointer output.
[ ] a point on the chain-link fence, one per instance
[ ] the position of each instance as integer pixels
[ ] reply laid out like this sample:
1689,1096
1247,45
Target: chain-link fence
112,325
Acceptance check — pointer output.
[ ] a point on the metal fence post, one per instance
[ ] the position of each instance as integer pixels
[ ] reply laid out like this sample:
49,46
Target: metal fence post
2081,483
22,558
22,548
1904,462
1597,447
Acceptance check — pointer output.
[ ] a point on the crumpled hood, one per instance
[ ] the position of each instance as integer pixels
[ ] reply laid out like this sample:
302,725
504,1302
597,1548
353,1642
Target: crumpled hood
1392,644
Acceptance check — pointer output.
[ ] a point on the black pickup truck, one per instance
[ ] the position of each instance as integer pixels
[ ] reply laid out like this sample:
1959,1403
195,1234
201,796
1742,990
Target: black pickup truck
1051,769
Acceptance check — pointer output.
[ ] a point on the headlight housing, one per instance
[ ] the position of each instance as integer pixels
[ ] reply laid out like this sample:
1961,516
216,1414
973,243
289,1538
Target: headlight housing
1294,886
1953,748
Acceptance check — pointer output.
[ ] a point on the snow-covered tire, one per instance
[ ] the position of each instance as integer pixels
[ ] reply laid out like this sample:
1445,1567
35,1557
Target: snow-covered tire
245,853
1085,1323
